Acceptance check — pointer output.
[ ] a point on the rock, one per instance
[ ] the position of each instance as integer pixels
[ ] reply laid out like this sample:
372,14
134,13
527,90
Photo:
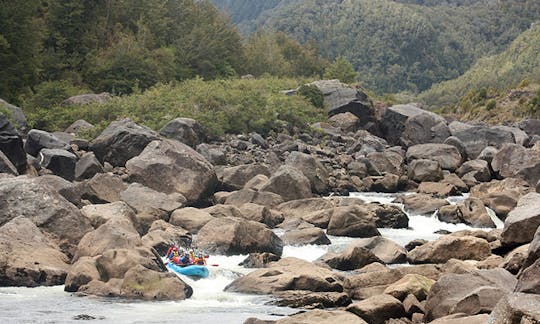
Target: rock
11,144
479,167
476,138
259,140
386,250
462,318
161,235
213,155
192,219
487,154
101,213
28,257
347,121
38,140
115,263
388,216
414,243
289,183
454,141
311,169
235,178
305,236
448,156
6,166
220,210
528,279
409,125
81,273
259,260
321,316
172,167
103,188
87,167
257,182
79,126
46,208
425,170
60,162
501,196
454,180
411,305
522,222
378,309
366,143
380,163
515,259
287,274
473,293
534,250
142,283
530,126
353,221
438,189
260,214
450,214
515,160
354,257
229,235
516,308
87,98
16,116
185,130
244,196
300,207
308,299
121,141
448,247
388,183
474,213
520,137
421,204
411,284
66,189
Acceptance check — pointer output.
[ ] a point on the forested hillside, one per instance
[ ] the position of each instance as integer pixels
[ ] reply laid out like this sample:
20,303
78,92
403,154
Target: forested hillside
398,45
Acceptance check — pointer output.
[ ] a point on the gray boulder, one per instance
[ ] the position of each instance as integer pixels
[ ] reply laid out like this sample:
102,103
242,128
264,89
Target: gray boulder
515,160
425,170
522,222
87,167
516,308
16,116
289,183
448,156
60,162
353,221
11,144
185,130
38,140
6,166
87,98
476,138
78,127
314,170
236,177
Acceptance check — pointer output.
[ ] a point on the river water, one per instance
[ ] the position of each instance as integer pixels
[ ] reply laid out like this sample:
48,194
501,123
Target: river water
209,303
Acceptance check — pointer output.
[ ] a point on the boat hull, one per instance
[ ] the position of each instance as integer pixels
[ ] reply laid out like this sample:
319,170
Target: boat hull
191,270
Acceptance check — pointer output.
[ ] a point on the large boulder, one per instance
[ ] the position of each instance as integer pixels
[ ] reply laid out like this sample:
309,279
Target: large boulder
522,222
421,204
425,170
228,235
46,208
185,130
289,183
474,213
479,167
310,167
87,167
472,293
244,196
388,216
528,279
38,140
142,283
353,221
11,144
103,188
311,235
6,166
411,284
80,273
476,138
236,177
192,219
409,125
170,166
287,274
99,214
450,247
385,249
366,143
16,116
516,308
380,163
516,161
448,156
501,195
121,141
28,257
60,162
300,207
320,316
347,121
378,309
161,235
354,257
87,98
79,126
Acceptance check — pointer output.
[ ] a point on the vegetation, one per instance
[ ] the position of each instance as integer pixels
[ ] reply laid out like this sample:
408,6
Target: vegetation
342,70
222,106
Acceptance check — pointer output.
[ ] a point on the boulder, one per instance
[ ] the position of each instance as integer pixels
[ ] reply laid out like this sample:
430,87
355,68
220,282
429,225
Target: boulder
528,279
38,140
235,178
409,125
454,180
16,116
448,156
474,213
71,191
305,236
215,156
366,143
520,137
257,182
380,163
450,214
11,144
191,219
300,207
378,309
221,210
185,130
487,154
411,284
115,263
172,167
60,162
516,161
354,257
340,98
353,221
534,250
448,247
385,249
311,169
28,257
79,126
87,167
479,167
142,283
388,216
476,138
321,316
462,318
228,235
501,196
161,235
411,305
522,222
244,196
103,188
289,183
261,214
421,204
472,293
515,259
309,299
347,121
287,274
121,141
516,308
6,166
530,126
438,189
87,98
424,170
454,141
259,260
46,208
388,183
101,213
81,273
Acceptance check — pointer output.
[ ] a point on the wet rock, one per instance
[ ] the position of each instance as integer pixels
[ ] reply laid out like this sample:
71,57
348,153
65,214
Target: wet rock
450,214
192,219
378,309
289,183
87,167
448,247
235,178
414,243
516,308
424,170
522,222
60,162
228,235
353,221
81,273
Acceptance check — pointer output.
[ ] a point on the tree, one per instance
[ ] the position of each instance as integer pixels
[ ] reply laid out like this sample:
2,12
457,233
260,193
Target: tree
342,70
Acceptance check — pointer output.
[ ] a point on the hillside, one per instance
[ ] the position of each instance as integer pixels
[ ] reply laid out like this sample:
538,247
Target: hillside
398,46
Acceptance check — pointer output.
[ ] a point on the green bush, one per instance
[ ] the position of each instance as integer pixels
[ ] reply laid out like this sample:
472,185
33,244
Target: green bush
491,104
313,94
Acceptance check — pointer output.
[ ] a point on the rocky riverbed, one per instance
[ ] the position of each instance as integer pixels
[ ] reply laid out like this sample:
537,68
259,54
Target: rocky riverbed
94,216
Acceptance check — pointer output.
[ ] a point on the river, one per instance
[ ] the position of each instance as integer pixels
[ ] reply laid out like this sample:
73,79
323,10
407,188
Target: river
209,303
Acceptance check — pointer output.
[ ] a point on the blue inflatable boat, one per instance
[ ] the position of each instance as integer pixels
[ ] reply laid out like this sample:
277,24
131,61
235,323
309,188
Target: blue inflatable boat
198,271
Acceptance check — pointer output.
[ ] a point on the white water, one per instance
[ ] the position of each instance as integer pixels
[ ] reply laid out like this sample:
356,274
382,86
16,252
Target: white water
209,303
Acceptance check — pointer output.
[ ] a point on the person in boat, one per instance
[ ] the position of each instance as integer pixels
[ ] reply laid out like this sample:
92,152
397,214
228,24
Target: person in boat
200,260
172,252
184,260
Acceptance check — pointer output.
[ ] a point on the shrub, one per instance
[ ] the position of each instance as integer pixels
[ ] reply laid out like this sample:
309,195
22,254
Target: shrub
491,104
313,94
